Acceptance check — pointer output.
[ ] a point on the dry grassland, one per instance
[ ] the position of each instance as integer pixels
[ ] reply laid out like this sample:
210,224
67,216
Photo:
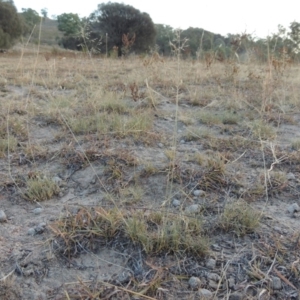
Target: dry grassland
126,178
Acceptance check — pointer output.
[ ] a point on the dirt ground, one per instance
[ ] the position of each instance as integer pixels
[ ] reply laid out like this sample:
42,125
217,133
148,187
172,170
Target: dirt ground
218,143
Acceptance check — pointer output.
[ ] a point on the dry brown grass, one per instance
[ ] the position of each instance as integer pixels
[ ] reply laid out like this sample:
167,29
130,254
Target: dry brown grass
149,132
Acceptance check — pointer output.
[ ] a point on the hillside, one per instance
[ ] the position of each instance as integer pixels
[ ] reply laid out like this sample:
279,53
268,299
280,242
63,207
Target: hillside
49,33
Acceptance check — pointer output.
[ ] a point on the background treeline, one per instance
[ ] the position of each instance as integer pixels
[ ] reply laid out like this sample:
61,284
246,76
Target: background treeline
116,29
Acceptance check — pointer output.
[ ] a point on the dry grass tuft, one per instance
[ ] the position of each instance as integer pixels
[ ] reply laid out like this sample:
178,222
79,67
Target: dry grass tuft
40,188
155,233
239,218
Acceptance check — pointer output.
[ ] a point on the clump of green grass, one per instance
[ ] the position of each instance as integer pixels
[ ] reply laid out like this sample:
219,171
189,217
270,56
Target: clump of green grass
112,103
256,192
170,154
149,169
7,144
85,229
159,233
229,118
155,232
186,118
136,125
276,182
240,218
262,130
40,188
200,97
198,158
214,174
234,144
194,133
296,144
208,118
132,194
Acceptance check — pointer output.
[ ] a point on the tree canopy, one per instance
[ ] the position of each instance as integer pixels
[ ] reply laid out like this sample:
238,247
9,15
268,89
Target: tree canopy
44,12
164,35
10,23
114,20
31,18
294,35
69,24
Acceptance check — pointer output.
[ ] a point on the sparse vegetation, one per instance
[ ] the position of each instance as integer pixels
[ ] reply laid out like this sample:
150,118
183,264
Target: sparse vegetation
40,188
240,218
168,163
296,144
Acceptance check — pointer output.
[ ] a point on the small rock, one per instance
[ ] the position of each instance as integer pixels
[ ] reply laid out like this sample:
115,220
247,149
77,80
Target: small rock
293,208
37,210
295,215
40,228
94,180
2,216
194,283
160,145
205,294
236,296
182,141
28,272
199,193
213,276
211,263
57,180
290,176
124,277
192,209
278,229
251,291
216,247
276,283
231,282
176,203
212,284
31,231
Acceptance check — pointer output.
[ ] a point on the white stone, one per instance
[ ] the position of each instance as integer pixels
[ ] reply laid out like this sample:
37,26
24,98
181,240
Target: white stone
192,209
213,276
37,211
2,216
31,231
176,202
211,263
205,294
199,193
194,283
276,283
290,176
293,208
